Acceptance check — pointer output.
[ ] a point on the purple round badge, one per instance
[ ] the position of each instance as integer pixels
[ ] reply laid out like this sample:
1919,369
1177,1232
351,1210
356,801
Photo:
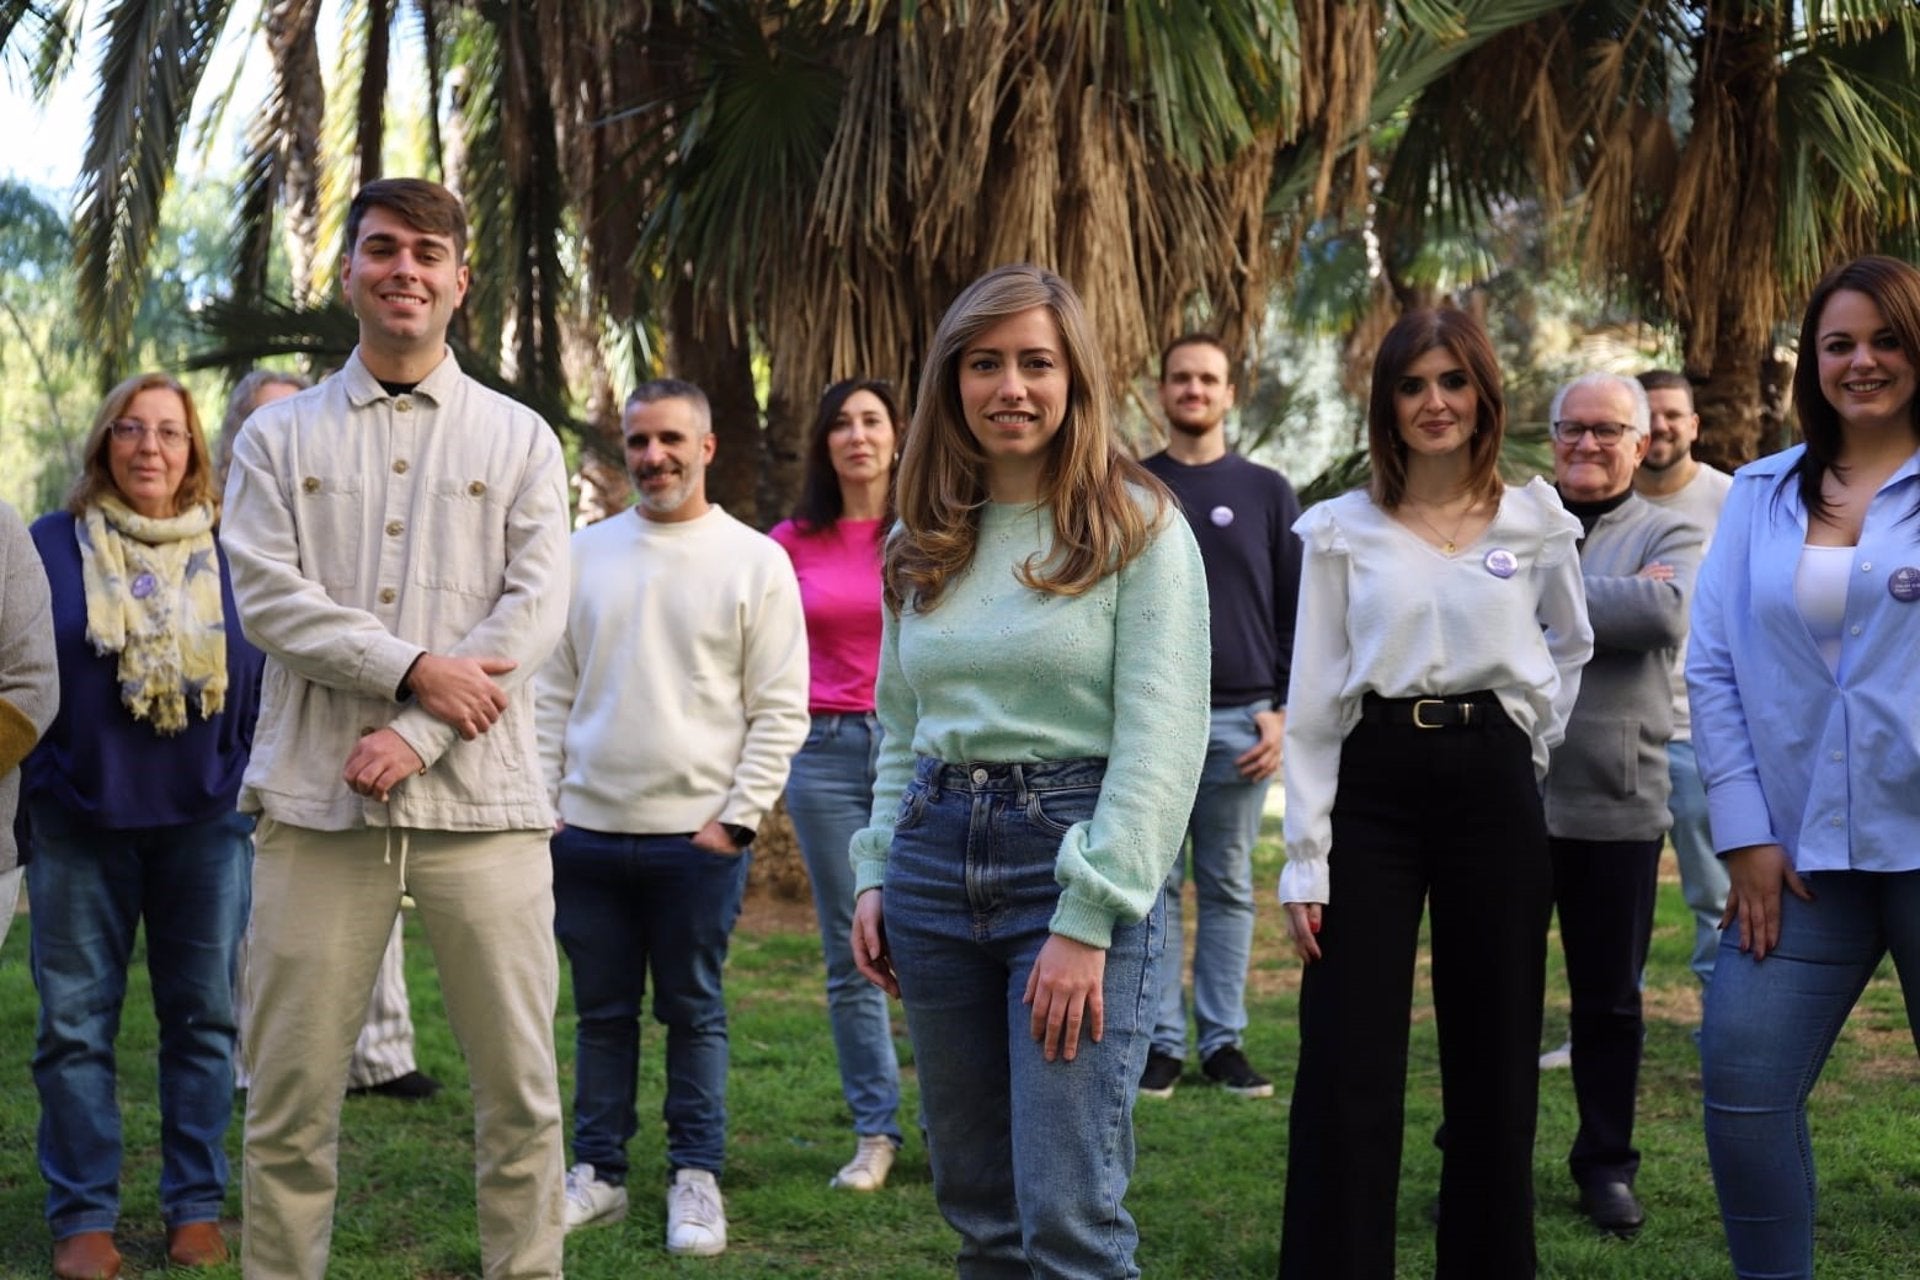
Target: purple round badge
1904,584
1501,563
1221,516
143,586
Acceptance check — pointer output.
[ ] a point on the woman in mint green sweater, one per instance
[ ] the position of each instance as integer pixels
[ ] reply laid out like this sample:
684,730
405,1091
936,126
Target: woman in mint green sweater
1043,692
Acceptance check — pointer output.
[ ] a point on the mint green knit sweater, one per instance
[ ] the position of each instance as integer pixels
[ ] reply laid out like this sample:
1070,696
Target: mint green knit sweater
1000,674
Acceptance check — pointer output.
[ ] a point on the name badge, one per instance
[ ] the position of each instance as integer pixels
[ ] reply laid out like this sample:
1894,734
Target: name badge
1221,516
1501,563
1903,584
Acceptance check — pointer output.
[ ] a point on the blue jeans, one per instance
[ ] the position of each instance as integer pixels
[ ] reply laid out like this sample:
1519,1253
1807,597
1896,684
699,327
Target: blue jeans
1030,1158
1223,829
1703,877
1768,1029
624,905
90,888
829,797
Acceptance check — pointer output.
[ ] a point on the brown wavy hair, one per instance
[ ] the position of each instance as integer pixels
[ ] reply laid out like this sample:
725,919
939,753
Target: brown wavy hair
96,478
1106,507
1894,286
1412,336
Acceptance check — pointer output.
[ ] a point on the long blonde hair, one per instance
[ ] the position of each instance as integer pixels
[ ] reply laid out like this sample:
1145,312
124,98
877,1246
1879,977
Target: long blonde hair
1106,507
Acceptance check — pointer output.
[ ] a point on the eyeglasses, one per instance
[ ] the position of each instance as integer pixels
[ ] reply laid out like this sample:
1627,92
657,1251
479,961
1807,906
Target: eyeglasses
1605,434
170,434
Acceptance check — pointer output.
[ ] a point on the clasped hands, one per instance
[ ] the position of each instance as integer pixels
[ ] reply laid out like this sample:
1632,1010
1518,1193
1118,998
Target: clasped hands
460,692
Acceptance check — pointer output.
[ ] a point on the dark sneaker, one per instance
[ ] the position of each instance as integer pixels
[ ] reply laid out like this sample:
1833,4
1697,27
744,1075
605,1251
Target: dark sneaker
1230,1069
415,1086
1162,1073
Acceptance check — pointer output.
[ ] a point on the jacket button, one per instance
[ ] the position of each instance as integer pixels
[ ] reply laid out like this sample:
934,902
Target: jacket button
399,466
403,405
395,528
477,488
311,484
388,595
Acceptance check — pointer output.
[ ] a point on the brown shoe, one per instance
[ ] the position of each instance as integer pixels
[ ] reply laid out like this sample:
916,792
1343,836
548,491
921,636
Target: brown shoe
196,1244
90,1255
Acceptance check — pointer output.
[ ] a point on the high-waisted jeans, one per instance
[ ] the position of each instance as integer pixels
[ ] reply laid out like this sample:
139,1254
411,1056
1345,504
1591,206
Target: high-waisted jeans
1030,1158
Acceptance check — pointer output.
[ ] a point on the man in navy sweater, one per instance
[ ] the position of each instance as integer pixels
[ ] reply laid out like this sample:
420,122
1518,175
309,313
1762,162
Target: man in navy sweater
1242,515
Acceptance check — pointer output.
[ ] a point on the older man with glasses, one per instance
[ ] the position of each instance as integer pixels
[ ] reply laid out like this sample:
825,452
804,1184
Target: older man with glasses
1607,784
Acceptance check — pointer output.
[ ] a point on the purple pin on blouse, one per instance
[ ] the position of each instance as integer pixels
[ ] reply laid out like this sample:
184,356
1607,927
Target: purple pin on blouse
1501,563
1903,584
144,585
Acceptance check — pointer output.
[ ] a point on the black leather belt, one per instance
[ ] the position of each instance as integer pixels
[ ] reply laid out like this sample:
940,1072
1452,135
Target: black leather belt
1452,711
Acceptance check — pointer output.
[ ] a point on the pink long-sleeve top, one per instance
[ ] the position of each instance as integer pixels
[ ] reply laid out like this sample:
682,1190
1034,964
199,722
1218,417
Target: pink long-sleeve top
839,572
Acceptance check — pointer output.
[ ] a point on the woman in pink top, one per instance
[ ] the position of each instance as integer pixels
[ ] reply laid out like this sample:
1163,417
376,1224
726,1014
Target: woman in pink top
834,538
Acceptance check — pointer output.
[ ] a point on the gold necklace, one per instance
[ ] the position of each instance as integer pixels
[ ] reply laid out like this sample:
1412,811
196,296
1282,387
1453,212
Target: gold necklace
1449,543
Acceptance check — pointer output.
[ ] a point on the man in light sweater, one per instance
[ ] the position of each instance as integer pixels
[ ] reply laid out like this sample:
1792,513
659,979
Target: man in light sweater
1242,516
667,719
1606,785
1672,477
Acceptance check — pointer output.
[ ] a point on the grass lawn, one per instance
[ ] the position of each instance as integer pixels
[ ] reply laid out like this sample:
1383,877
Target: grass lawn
1207,1190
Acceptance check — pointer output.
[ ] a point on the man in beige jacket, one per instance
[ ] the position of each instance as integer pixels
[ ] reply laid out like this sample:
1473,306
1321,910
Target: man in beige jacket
29,683
398,538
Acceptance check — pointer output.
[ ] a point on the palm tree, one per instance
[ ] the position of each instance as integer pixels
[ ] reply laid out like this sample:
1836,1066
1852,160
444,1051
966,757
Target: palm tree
1712,158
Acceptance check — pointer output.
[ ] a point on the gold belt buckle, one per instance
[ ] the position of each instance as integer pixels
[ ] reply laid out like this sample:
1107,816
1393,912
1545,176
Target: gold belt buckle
1418,723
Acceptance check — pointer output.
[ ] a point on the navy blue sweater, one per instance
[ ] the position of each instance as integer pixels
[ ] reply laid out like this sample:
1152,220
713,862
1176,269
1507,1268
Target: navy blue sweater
97,762
1242,516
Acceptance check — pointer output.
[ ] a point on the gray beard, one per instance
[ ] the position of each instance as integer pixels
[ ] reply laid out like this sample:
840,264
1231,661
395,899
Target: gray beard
665,504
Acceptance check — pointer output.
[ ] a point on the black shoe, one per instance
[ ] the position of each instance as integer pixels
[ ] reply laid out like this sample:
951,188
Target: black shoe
1611,1207
415,1086
1162,1073
1230,1069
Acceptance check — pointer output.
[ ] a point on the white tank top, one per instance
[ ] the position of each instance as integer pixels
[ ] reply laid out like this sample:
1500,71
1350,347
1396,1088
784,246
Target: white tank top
1820,589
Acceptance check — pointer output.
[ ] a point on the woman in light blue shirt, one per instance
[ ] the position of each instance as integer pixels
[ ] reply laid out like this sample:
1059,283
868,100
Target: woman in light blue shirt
1806,706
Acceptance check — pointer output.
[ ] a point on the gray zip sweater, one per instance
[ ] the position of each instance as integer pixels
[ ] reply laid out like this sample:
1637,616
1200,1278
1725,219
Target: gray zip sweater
1608,780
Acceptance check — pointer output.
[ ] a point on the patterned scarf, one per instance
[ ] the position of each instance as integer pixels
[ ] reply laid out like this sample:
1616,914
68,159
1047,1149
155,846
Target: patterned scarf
153,597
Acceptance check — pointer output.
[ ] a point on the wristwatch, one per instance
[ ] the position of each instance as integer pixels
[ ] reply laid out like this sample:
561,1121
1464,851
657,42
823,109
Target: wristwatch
741,836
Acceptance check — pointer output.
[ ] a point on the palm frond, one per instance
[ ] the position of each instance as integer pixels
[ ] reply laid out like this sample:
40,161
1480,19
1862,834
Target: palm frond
151,64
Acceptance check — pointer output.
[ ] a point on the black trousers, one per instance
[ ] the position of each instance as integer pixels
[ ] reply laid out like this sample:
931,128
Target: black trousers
1450,820
1604,890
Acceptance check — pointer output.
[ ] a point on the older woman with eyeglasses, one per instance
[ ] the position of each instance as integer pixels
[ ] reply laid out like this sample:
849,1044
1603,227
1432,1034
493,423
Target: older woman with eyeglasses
129,800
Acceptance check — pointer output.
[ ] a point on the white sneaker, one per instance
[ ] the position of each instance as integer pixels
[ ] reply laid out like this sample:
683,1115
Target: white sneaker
867,1171
696,1219
1557,1059
591,1202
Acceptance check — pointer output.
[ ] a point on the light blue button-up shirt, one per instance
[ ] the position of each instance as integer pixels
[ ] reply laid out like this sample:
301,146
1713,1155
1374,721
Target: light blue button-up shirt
1825,765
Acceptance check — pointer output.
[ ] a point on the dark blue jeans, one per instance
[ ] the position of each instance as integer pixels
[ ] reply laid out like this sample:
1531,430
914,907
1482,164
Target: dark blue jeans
625,905
90,888
1030,1158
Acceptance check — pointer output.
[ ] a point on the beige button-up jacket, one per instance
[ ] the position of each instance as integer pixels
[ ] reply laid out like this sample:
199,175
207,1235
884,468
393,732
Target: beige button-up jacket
364,529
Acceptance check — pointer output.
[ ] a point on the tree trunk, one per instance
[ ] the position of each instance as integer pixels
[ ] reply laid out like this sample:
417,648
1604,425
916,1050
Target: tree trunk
701,350
292,38
785,443
1718,236
371,120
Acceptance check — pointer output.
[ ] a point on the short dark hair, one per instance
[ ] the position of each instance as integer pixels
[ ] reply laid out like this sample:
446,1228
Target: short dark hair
1194,338
1412,336
1667,380
422,205
820,502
